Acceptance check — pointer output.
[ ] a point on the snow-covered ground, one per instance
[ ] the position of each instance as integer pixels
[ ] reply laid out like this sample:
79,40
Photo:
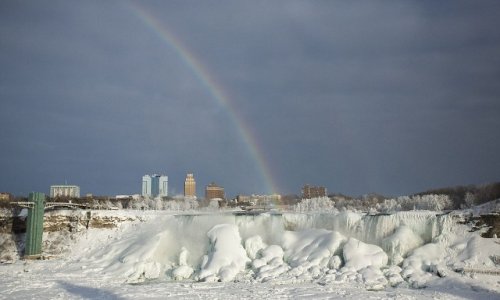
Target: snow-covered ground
154,255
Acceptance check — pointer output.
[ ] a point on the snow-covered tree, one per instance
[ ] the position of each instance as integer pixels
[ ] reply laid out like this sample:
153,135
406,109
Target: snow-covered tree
158,203
190,204
322,204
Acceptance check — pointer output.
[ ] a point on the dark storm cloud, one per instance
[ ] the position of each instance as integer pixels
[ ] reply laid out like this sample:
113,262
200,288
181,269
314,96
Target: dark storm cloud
390,97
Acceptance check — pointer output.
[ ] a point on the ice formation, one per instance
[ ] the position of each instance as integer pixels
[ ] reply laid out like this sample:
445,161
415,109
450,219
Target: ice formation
400,243
377,251
359,255
227,256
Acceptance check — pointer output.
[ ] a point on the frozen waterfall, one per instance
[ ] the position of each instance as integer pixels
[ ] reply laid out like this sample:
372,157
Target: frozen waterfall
266,246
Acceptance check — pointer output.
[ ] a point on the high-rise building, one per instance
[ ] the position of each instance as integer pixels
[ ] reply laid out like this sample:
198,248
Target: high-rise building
64,191
154,185
190,186
146,185
309,192
163,186
213,191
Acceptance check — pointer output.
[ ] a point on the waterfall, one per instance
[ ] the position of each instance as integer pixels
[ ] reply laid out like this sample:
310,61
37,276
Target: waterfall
185,244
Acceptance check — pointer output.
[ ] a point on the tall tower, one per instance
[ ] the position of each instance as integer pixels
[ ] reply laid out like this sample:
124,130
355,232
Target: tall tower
146,186
155,185
189,186
163,186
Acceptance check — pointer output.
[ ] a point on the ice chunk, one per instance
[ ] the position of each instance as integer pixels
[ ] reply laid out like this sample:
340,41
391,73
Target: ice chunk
271,264
253,245
421,261
312,247
138,258
335,262
268,272
183,255
182,272
399,244
271,252
359,255
373,278
227,257
393,275
144,271
422,258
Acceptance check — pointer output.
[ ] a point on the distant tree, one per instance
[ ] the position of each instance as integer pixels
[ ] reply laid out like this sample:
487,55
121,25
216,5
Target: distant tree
488,192
470,199
322,204
139,204
171,205
190,204
290,199
389,205
119,204
158,203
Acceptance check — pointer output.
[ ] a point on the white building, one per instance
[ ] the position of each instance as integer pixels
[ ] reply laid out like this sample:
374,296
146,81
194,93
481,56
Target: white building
154,185
146,186
163,186
64,191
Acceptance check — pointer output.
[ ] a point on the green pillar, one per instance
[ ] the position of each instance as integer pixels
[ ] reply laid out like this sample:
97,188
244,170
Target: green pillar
34,227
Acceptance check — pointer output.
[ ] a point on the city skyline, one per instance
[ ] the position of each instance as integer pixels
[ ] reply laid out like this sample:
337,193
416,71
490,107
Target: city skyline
389,98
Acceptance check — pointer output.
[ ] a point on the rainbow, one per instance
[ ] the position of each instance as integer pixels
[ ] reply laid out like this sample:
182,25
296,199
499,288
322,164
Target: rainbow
215,90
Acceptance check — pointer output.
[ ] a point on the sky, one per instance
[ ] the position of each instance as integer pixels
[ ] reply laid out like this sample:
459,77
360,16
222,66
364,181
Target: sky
389,97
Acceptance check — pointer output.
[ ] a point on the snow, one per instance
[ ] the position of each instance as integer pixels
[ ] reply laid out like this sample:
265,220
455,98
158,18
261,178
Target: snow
253,245
183,271
227,256
325,255
373,278
270,265
400,243
422,260
359,255
485,208
311,247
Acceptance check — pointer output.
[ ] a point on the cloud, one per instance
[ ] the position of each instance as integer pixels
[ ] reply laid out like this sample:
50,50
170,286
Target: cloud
357,96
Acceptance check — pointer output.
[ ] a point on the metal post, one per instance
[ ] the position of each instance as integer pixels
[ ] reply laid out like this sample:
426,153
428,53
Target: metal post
34,227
